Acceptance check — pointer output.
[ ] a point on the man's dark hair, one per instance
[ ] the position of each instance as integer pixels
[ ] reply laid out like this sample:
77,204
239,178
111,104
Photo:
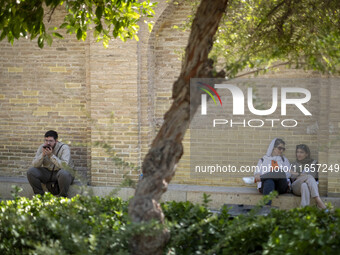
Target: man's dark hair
52,133
278,142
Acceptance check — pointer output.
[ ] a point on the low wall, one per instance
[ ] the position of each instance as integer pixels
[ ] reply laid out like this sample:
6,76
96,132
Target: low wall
193,193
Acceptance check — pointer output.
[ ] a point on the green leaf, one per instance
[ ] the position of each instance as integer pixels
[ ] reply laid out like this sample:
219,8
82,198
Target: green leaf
52,28
150,26
40,13
99,28
16,30
41,42
64,25
79,34
3,35
99,12
84,36
133,15
71,30
13,10
49,39
55,34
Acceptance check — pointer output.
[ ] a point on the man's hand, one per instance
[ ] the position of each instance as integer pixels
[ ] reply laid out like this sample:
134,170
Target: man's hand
47,151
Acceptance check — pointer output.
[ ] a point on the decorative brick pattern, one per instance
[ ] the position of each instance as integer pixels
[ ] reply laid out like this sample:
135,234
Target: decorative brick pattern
72,85
15,69
58,69
30,93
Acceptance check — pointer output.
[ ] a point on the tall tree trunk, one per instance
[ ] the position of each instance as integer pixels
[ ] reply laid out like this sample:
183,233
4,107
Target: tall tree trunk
166,150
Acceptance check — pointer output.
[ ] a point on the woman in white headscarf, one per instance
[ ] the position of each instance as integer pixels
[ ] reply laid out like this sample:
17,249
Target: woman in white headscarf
273,161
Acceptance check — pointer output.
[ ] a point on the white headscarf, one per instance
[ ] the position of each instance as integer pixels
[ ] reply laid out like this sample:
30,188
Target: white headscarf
270,151
271,147
282,161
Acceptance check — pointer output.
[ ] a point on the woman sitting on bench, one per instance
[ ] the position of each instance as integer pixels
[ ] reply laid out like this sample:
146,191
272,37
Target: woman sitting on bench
304,176
273,169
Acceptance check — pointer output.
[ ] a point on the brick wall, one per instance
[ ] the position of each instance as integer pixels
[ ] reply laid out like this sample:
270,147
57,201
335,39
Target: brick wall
165,47
332,145
241,146
41,89
114,109
109,104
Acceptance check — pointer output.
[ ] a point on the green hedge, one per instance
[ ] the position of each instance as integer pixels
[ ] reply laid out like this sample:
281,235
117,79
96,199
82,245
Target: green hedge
298,231
93,225
50,225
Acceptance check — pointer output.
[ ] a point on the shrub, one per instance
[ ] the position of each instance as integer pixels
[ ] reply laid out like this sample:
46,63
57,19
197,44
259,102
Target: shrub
93,225
51,225
298,231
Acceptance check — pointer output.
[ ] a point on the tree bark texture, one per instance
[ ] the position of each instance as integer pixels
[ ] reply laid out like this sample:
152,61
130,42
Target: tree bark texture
166,150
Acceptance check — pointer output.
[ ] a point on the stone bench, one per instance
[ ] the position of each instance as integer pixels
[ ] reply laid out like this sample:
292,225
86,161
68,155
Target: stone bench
6,184
177,192
234,195
227,195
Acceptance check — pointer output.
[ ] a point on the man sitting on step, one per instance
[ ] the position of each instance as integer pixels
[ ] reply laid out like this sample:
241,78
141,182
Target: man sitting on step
49,167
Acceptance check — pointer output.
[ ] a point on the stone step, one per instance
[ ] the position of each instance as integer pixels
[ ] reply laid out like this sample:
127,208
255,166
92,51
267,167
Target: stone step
177,192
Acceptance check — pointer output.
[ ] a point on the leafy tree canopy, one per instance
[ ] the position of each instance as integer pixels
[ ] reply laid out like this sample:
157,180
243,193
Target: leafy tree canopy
108,18
254,34
259,34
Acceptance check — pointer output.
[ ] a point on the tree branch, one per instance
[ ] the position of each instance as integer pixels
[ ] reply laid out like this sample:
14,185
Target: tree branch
51,13
262,69
272,11
167,149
